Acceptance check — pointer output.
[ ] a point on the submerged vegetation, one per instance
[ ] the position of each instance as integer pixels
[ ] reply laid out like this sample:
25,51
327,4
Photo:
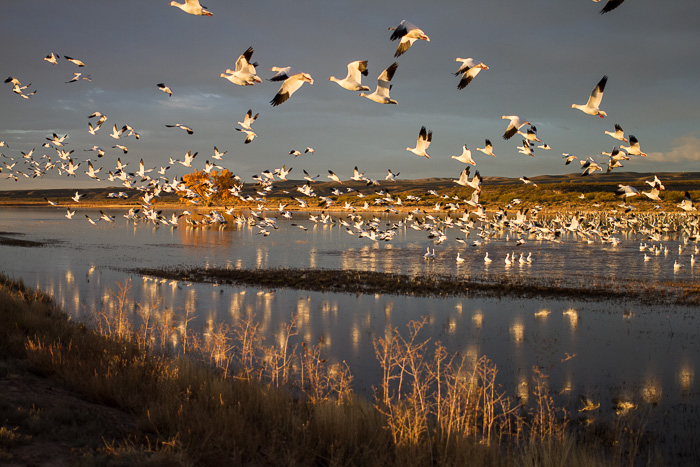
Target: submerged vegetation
436,285
159,394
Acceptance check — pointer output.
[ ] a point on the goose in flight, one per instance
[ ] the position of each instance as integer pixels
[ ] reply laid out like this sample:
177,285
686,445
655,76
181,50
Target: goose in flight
52,58
218,154
465,157
610,5
687,203
391,176
627,191
353,80
290,86
250,134
634,149
244,74
468,69
334,177
656,183
163,87
618,134
74,61
424,139
474,183
192,7
248,120
515,124
527,181
592,107
487,149
408,33
309,149
381,94
180,125
91,172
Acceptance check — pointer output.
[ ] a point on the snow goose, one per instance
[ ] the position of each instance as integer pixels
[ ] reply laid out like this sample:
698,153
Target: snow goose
218,154
192,7
610,5
515,124
459,259
248,120
687,203
163,87
381,94
334,177
52,58
487,260
592,107
244,73
618,134
290,86
487,149
391,176
527,181
180,125
353,80
424,139
309,149
295,152
468,69
250,134
526,149
634,149
465,157
74,61
408,33
627,191
653,194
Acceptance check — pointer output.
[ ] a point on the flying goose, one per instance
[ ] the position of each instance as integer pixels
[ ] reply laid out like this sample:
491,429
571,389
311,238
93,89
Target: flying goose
249,119
192,7
610,5
592,107
465,157
618,134
52,58
74,60
381,94
180,125
250,134
289,87
353,80
408,33
163,87
487,149
244,74
424,139
468,69
514,125
634,149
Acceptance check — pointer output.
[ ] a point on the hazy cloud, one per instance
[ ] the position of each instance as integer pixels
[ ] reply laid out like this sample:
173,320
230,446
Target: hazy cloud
685,149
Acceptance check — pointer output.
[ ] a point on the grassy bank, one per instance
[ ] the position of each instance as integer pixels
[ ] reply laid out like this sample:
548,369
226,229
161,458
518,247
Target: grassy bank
117,393
436,285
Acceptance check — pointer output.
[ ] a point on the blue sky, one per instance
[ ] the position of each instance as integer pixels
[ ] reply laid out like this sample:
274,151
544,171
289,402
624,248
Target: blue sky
543,56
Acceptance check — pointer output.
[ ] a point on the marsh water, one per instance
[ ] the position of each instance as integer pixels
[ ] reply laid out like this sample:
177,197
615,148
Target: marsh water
599,349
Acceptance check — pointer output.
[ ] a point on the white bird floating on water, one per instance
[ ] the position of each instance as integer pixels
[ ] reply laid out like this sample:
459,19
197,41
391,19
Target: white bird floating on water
353,80
192,7
381,94
592,107
408,33
424,139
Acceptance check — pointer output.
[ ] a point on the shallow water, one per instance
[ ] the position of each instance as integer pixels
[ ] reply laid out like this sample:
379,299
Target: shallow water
647,354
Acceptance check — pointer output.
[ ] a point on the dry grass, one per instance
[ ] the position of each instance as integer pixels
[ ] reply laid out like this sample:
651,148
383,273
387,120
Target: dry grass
227,397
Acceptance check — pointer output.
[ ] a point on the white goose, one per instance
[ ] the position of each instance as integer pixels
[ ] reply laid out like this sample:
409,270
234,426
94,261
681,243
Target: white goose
424,139
408,33
515,124
634,149
192,7
353,80
465,157
290,86
381,94
592,107
248,120
244,74
487,149
469,69
618,134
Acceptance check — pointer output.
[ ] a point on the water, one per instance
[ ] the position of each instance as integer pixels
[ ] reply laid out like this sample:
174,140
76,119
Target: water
603,350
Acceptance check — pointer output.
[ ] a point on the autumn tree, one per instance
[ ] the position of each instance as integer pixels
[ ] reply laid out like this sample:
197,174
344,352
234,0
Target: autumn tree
207,189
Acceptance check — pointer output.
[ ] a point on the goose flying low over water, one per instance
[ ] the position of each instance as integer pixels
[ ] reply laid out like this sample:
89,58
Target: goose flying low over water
353,80
381,94
192,7
289,87
469,69
592,107
408,33
424,139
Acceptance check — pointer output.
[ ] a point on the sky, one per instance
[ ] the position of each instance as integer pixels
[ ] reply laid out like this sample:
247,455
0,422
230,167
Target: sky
543,56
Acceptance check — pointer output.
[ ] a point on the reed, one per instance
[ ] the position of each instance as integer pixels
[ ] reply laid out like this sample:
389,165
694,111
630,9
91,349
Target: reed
232,398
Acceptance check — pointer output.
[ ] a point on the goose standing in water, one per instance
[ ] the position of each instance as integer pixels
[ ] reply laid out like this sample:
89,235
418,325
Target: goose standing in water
353,80
408,33
192,7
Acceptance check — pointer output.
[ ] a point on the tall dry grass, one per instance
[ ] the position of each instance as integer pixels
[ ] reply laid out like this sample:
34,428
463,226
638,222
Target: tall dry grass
227,396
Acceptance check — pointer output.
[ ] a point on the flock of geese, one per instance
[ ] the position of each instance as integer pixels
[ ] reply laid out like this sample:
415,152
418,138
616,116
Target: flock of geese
153,181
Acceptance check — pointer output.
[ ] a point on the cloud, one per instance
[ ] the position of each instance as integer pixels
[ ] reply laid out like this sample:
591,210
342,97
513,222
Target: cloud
686,148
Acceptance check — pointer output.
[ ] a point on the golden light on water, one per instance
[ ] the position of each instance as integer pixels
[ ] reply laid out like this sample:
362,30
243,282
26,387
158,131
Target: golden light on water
517,330
686,377
572,315
523,389
478,318
651,391
542,314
